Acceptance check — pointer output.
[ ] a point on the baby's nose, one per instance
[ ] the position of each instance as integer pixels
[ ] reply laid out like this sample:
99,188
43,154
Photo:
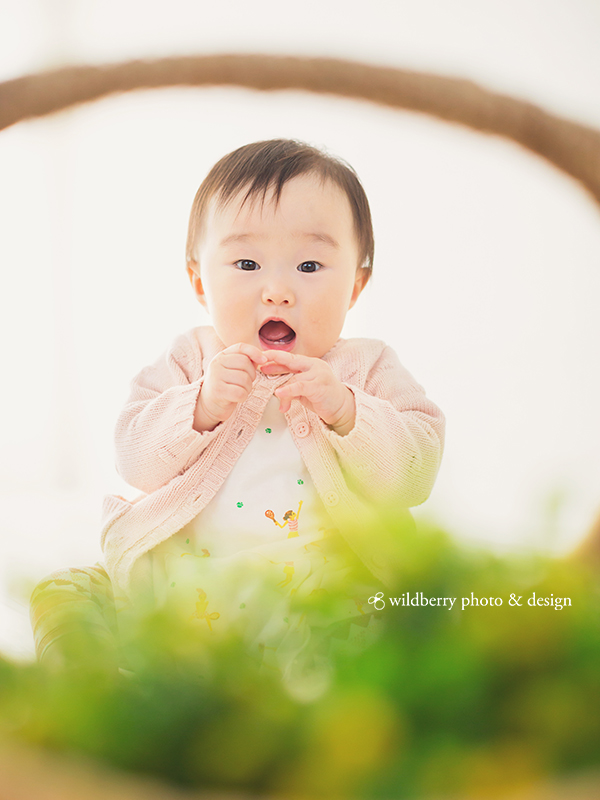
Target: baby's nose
278,295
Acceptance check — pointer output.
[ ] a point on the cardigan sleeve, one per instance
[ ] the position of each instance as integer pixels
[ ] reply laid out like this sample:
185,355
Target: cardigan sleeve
393,453
155,439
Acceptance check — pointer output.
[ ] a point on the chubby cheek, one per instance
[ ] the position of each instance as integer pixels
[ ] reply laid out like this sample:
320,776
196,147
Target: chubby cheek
237,328
231,320
323,326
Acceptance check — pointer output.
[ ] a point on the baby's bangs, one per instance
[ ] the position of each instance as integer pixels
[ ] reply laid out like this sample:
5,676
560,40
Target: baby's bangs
268,169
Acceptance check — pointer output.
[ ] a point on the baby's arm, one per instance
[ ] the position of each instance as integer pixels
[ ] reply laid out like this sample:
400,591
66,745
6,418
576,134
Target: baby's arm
154,434
387,435
174,410
394,450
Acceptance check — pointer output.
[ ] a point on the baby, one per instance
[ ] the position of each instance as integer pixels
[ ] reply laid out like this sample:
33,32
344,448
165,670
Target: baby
268,415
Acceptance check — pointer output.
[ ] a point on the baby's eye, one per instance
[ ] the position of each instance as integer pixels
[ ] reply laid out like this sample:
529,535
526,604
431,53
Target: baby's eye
308,266
246,264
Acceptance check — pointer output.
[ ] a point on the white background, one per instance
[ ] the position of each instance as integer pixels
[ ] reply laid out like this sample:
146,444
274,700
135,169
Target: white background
487,269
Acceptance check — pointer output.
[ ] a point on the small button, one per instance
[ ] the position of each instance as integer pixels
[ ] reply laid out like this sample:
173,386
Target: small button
331,499
302,429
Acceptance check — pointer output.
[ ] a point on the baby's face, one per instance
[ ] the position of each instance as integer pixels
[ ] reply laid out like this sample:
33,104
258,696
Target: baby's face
280,277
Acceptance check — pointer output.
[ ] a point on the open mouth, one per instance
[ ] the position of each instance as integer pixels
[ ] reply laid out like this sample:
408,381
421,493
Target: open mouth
276,334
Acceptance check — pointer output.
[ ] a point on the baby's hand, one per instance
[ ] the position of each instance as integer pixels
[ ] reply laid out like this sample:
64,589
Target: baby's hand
228,381
316,387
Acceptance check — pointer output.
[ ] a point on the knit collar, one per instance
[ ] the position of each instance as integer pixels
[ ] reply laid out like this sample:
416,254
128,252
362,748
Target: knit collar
272,382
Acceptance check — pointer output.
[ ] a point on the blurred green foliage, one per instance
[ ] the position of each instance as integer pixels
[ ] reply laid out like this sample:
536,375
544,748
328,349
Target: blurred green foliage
471,702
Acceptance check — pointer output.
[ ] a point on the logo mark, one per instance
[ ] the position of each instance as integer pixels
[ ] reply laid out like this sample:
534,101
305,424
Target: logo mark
378,598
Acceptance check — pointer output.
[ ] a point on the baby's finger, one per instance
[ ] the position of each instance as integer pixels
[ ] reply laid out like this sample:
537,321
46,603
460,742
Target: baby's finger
285,405
271,368
293,361
287,392
233,393
237,362
238,377
255,354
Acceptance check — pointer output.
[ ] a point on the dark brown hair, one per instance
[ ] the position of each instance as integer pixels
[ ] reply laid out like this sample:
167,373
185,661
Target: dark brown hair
262,166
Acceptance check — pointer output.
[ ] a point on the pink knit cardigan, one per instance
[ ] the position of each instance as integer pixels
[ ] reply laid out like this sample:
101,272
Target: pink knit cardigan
392,454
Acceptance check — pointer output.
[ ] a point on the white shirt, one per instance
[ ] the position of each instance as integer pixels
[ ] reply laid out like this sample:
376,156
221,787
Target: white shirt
233,569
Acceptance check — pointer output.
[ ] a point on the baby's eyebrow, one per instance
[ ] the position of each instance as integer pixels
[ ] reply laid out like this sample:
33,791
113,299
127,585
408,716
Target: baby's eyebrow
321,237
241,238
234,238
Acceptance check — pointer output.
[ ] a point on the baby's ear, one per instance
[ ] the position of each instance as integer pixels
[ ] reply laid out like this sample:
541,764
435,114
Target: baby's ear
362,276
193,270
